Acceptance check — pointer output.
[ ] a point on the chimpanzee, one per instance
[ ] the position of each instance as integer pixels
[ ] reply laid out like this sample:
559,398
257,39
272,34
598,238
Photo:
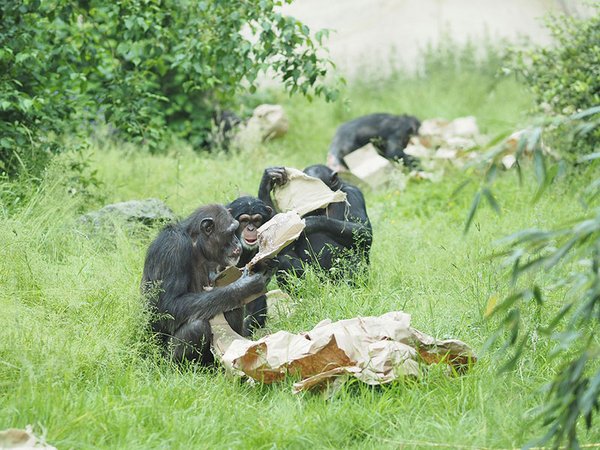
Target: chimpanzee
251,213
178,280
387,132
225,125
341,230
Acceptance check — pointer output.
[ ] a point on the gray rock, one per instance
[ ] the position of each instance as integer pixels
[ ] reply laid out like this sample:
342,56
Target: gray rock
148,212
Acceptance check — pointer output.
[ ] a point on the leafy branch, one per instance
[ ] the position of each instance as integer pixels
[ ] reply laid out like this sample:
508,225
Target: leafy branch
575,390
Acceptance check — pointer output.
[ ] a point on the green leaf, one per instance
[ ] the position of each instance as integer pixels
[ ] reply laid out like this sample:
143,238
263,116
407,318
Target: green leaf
22,57
491,200
472,210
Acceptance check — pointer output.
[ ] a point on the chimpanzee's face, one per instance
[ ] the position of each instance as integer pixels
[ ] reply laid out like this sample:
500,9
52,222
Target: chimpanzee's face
248,230
251,213
232,249
217,238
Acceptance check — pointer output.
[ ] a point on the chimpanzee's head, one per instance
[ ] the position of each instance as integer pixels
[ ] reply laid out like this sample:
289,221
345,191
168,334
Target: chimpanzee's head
325,174
213,232
406,127
251,213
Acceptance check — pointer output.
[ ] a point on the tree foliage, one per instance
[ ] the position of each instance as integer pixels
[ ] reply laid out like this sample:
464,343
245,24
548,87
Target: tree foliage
566,80
565,76
574,393
150,68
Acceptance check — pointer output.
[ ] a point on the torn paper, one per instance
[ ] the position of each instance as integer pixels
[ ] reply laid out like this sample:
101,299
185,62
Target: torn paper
369,166
276,234
375,350
273,236
303,193
22,439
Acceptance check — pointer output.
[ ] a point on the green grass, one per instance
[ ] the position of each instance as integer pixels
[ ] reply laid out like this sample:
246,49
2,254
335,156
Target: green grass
76,363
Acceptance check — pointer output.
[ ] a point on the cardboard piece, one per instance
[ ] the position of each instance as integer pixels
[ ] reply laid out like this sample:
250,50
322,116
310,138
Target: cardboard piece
375,350
303,193
369,166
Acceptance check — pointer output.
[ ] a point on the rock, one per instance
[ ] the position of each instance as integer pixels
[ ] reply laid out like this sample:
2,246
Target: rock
267,122
272,120
463,127
148,212
460,132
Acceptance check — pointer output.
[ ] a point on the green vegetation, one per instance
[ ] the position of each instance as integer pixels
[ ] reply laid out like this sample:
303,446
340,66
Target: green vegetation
152,69
565,76
76,358
74,354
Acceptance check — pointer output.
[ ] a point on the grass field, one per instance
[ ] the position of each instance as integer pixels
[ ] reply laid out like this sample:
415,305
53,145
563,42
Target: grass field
76,363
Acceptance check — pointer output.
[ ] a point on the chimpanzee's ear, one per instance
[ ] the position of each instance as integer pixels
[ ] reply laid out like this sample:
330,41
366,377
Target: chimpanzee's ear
208,225
269,210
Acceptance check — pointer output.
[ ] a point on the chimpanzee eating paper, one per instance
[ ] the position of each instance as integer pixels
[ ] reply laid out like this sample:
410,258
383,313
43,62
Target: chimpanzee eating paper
336,238
179,282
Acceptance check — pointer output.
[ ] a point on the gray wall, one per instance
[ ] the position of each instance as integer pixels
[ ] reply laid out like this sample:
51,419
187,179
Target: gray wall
377,31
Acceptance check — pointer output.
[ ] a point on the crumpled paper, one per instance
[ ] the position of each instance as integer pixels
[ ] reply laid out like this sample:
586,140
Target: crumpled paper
375,350
303,193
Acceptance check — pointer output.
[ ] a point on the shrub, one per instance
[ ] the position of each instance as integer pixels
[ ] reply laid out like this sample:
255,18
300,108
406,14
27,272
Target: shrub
565,77
150,68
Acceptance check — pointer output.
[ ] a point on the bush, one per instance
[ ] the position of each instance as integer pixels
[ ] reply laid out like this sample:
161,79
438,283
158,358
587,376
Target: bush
565,78
150,68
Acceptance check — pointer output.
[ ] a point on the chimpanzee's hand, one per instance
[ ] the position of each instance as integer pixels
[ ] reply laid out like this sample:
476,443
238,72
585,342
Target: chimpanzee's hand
267,267
277,176
313,223
253,283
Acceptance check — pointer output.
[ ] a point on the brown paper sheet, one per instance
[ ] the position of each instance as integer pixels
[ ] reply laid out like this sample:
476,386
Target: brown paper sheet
304,194
277,233
375,350
369,166
273,236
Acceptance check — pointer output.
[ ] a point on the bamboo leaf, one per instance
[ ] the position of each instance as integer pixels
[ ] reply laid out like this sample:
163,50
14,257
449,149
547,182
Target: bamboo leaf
472,210
491,200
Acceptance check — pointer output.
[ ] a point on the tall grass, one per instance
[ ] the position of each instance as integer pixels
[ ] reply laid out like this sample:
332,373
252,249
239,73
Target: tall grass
75,357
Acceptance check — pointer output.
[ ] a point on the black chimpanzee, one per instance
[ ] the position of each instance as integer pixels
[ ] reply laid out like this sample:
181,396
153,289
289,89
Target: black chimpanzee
178,280
251,213
329,232
387,132
225,124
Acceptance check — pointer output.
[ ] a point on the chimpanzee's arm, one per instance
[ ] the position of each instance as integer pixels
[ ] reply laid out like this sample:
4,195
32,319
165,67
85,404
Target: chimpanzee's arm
353,227
345,233
271,176
207,304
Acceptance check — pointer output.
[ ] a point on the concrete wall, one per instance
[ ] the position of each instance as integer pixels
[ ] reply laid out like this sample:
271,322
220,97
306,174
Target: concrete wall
369,30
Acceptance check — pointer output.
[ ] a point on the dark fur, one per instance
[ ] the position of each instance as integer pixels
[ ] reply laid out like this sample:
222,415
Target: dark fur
387,132
329,232
255,311
178,281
